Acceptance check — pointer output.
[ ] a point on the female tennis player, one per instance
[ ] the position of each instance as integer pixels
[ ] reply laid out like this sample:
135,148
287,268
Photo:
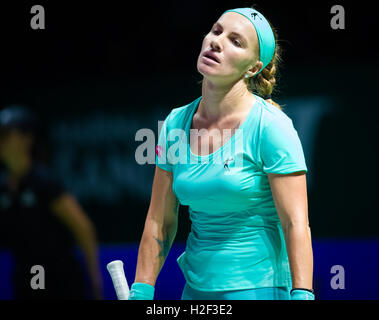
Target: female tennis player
247,197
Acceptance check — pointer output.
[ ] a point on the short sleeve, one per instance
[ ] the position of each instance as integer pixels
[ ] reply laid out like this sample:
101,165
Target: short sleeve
54,189
161,159
280,148
50,186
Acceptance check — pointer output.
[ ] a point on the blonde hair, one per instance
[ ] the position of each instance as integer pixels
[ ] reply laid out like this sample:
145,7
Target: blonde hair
264,83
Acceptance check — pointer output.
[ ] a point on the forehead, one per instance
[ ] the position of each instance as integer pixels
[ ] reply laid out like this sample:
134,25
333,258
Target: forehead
235,22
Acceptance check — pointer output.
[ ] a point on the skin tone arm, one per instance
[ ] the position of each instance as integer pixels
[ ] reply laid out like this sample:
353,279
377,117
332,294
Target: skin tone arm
290,196
160,228
71,214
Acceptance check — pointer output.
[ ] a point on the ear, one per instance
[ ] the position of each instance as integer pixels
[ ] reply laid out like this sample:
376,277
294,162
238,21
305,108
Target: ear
255,69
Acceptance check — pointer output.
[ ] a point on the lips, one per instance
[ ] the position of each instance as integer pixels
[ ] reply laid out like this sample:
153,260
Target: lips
212,56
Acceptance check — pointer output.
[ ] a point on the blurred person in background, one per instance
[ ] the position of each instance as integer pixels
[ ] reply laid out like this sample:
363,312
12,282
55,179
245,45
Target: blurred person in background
41,223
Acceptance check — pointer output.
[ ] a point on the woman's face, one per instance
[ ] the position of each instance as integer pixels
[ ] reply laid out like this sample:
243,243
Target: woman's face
233,42
14,142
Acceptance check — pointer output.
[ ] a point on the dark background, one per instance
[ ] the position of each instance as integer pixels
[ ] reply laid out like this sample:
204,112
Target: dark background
102,67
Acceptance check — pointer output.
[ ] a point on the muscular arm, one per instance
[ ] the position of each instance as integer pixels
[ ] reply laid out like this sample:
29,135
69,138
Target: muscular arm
69,211
160,228
290,196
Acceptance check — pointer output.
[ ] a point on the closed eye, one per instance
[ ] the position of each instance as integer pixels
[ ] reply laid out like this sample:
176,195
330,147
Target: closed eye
233,39
237,43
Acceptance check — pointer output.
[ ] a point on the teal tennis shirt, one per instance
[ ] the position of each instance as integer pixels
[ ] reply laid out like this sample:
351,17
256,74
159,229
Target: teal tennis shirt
236,240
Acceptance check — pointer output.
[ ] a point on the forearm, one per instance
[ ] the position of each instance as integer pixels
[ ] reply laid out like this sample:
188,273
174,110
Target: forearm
86,240
300,255
153,250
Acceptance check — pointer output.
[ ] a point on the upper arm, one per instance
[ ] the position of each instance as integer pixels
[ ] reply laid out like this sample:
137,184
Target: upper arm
289,193
68,210
164,205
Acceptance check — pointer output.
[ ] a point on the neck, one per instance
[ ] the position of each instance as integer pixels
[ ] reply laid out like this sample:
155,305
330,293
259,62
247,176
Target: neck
219,101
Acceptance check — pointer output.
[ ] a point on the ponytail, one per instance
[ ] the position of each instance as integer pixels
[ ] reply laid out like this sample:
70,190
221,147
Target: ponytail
264,83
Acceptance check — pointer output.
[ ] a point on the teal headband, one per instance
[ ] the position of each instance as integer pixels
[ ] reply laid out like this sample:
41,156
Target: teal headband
266,37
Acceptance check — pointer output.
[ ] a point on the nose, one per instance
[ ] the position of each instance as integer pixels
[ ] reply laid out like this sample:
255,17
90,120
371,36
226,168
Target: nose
215,44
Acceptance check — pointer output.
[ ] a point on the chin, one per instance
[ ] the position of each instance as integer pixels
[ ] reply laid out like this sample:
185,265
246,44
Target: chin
205,70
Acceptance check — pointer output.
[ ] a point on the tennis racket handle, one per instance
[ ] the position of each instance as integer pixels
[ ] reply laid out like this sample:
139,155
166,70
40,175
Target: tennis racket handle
116,270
